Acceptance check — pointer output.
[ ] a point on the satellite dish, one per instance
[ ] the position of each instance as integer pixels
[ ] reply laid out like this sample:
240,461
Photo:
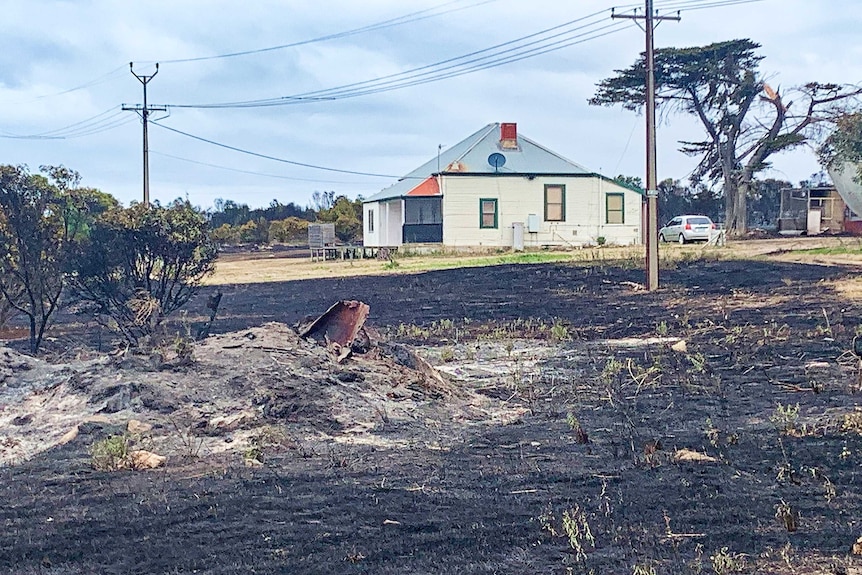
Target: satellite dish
497,160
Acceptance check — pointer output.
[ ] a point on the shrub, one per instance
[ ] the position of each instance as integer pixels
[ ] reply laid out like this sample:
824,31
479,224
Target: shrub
225,234
290,229
111,453
41,217
347,216
142,263
254,232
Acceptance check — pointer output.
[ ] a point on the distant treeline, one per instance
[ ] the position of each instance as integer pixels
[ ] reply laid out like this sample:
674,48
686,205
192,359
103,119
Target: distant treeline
675,198
234,223
234,214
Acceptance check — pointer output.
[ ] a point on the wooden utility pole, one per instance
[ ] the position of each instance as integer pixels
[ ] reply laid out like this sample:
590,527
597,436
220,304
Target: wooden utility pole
651,20
144,112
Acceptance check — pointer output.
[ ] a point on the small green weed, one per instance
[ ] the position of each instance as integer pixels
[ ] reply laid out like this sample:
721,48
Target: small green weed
559,332
547,521
267,439
613,367
111,453
733,335
575,425
712,432
784,418
447,354
577,529
698,362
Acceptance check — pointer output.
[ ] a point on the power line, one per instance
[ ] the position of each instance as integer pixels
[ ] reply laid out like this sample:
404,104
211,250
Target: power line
273,158
253,173
494,49
691,5
94,82
443,68
541,42
101,122
491,64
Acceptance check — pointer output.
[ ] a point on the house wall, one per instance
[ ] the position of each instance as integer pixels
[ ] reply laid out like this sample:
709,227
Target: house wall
371,237
518,197
388,220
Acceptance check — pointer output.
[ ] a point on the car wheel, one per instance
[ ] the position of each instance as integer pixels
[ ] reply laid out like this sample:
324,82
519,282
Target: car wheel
681,239
661,238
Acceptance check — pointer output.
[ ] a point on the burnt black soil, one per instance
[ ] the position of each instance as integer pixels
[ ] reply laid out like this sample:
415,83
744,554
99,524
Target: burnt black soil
517,498
587,296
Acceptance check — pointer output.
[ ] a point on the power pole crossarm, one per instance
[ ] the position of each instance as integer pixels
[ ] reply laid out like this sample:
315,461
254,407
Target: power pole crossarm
650,19
144,112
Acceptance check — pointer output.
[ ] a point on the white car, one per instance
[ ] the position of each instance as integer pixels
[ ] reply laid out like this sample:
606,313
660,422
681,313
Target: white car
684,229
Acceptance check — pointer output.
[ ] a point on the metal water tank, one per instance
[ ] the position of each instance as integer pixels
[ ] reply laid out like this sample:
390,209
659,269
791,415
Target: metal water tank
844,177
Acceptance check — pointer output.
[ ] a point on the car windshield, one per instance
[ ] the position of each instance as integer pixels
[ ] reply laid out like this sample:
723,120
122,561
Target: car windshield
698,221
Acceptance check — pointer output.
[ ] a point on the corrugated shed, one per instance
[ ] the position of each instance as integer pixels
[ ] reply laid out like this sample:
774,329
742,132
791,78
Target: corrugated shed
471,156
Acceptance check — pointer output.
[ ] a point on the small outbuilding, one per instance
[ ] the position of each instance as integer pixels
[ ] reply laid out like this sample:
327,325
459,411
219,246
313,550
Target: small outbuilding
816,210
498,188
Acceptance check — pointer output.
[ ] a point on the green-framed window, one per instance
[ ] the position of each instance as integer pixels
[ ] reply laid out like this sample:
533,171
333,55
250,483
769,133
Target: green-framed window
615,209
555,202
488,213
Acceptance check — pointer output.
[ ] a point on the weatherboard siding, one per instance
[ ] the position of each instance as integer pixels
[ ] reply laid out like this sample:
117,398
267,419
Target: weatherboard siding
388,223
371,236
585,211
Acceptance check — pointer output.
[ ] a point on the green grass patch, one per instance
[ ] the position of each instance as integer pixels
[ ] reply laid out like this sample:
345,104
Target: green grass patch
447,262
834,251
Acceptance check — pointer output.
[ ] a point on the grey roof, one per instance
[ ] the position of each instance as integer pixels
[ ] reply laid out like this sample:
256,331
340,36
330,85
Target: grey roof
472,156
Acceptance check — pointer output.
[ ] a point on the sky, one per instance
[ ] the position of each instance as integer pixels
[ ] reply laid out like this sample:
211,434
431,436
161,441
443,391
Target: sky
65,74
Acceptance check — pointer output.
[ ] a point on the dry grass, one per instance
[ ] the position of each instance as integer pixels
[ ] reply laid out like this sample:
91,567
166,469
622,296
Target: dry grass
254,269
850,288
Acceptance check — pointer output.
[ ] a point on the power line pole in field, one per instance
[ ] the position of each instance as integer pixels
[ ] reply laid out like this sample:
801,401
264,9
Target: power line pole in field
144,112
651,20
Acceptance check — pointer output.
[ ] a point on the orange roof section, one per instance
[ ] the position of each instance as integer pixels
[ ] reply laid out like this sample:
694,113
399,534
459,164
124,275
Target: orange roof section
429,187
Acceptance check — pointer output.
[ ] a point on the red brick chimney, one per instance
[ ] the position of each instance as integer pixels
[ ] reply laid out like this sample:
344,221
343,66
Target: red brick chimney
509,136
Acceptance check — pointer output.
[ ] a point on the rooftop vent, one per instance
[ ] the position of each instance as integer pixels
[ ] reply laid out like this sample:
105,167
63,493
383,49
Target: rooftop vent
509,136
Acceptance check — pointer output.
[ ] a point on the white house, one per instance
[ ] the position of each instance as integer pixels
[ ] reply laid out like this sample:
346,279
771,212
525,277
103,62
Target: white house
498,188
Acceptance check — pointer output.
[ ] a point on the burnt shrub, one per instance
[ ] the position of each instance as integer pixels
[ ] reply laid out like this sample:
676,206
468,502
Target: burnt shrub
140,264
